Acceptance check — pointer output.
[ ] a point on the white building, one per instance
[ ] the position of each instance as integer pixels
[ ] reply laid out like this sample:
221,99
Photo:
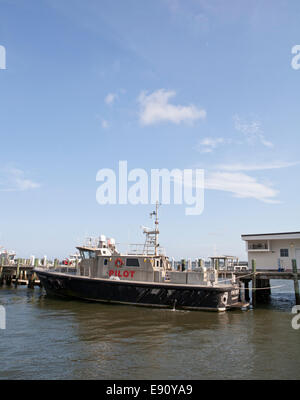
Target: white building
273,250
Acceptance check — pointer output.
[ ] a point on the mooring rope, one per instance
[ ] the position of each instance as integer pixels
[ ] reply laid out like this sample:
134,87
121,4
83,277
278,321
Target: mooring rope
242,276
263,288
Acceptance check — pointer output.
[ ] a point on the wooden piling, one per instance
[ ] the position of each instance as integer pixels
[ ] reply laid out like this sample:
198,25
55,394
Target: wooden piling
1,275
31,279
253,283
296,283
17,273
182,265
8,279
264,291
246,288
242,296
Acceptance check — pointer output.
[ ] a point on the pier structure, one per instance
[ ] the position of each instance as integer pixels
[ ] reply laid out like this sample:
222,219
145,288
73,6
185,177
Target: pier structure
21,272
18,275
254,283
260,279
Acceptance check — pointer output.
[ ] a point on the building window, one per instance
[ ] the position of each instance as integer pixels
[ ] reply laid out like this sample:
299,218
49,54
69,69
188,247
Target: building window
132,262
284,252
258,246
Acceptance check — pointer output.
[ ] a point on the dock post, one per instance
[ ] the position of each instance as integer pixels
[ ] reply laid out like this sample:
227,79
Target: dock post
296,283
242,291
246,288
31,280
1,275
264,292
183,265
253,283
17,273
8,279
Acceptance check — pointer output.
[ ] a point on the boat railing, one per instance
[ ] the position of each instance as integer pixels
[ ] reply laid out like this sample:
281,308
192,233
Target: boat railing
140,248
91,242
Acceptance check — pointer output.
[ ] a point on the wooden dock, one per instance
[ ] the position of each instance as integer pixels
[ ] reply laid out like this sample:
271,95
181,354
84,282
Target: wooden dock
261,287
18,275
20,272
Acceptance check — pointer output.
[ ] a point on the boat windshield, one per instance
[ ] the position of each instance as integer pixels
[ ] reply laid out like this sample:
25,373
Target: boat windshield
87,254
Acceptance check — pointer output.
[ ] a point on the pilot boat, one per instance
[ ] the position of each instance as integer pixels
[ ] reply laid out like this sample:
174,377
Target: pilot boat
140,277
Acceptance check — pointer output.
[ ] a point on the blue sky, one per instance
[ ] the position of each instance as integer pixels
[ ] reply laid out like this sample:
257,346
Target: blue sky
163,84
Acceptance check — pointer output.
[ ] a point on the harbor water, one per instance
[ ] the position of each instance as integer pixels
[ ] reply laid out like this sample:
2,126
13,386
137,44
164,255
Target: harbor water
47,338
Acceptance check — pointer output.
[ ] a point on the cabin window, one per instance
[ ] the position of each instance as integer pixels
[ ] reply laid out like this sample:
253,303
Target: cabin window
92,254
132,262
284,252
105,261
87,254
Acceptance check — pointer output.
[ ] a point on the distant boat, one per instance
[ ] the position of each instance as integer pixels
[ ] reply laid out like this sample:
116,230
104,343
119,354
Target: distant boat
142,276
7,257
72,260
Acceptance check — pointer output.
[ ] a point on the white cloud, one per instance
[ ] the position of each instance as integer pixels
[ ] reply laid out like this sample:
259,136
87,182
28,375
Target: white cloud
241,185
104,124
257,167
155,108
13,180
252,130
110,98
207,145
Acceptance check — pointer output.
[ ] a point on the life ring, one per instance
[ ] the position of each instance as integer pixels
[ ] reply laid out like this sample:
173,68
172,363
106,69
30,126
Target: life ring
119,262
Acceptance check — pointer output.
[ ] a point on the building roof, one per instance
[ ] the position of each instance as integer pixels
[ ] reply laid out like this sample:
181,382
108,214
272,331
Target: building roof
272,236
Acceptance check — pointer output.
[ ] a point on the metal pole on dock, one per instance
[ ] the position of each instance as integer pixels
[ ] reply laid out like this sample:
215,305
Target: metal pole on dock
296,283
253,283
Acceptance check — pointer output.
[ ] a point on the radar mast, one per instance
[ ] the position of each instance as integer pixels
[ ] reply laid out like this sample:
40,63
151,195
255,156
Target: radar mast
151,242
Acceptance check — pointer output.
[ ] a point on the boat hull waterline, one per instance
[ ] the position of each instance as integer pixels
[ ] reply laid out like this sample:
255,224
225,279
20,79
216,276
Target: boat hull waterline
151,294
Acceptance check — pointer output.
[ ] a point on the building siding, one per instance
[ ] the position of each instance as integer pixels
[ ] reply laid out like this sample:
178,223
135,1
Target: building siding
269,259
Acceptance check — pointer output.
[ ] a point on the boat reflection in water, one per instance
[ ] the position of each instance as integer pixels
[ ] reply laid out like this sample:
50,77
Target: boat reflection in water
143,276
